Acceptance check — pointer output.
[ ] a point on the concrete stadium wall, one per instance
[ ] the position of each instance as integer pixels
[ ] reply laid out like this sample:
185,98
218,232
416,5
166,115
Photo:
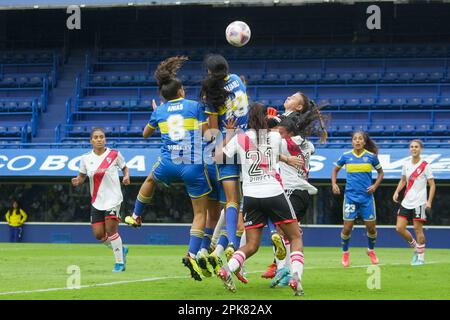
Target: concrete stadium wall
175,234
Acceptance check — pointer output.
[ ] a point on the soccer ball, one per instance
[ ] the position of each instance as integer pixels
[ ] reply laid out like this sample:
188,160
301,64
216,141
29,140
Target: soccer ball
238,33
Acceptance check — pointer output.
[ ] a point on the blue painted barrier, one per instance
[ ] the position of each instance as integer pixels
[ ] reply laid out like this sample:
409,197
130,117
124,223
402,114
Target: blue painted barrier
175,234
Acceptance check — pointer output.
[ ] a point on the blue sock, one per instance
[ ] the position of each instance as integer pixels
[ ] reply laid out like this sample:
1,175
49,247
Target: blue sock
271,226
223,239
372,238
345,241
195,241
140,204
206,242
231,216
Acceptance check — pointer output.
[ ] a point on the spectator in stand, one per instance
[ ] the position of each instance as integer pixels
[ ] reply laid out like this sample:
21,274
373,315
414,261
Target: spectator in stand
15,217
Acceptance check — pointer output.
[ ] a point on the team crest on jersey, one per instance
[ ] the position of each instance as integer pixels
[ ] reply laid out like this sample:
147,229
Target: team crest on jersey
365,159
108,159
419,171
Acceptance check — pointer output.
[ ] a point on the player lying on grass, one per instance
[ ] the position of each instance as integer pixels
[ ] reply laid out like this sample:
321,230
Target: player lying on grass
181,123
359,191
415,175
264,197
101,165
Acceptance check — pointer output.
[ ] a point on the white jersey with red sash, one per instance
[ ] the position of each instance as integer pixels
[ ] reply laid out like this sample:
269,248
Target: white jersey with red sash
103,177
297,178
260,167
417,176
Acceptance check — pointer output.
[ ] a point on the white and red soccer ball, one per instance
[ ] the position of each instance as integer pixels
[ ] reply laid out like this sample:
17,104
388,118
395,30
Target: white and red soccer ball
238,33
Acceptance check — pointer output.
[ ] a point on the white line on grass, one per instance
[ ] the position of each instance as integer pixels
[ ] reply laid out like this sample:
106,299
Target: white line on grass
179,277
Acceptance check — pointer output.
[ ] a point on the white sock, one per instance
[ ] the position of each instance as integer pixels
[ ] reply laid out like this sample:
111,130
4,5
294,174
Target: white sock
107,242
203,251
236,261
116,244
420,249
218,228
287,244
297,261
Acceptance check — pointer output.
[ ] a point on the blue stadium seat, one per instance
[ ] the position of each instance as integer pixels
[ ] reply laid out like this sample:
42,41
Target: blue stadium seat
421,77
405,76
109,131
444,102
314,77
126,79
3,131
345,77
429,102
376,129
14,131
413,103
391,129
384,102
440,129
398,102
255,78
337,102
407,129
423,129
390,77
135,130
285,78
79,131
436,77
116,105
98,80
330,77
299,78
352,103
360,127
360,77
367,102
271,78
374,77
345,129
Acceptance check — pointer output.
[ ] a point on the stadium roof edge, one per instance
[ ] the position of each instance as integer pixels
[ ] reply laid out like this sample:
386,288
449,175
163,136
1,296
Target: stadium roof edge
61,4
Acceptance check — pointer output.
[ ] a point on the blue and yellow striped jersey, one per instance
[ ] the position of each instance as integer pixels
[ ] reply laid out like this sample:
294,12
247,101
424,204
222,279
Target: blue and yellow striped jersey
236,105
359,173
180,121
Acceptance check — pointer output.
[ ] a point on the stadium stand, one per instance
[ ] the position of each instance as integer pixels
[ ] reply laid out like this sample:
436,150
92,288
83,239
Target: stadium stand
395,98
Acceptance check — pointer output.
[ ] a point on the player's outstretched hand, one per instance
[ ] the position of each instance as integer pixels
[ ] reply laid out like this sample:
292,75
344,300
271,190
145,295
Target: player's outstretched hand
335,189
126,180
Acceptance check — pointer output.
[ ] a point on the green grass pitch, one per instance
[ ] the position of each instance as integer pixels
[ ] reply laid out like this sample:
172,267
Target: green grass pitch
39,271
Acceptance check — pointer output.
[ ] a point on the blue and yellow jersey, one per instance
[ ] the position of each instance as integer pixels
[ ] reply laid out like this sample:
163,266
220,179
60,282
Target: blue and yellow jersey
236,104
180,121
359,173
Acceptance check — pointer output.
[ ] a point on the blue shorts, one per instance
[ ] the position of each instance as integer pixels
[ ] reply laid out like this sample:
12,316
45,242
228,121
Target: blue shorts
217,192
194,176
228,171
366,209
